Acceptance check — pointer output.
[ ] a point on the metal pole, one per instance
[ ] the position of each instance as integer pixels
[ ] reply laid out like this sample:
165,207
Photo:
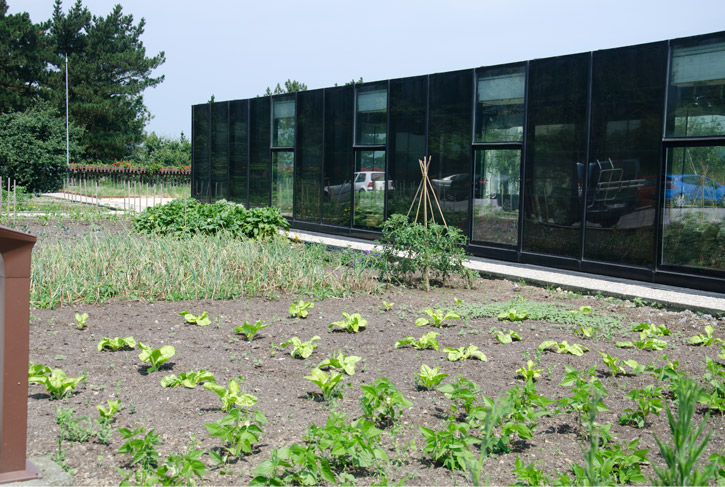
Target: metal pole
67,137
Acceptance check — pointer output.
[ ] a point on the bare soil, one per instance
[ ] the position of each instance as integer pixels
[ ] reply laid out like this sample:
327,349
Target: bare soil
288,400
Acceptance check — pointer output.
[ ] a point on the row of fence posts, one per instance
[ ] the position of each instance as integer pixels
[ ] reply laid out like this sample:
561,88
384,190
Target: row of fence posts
135,194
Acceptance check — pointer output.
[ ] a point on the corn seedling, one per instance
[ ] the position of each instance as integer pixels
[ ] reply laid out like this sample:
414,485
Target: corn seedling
345,363
327,383
115,344
156,357
429,378
426,341
464,353
707,339
199,320
233,395
507,337
563,347
188,379
81,320
299,309
249,330
352,323
436,317
301,349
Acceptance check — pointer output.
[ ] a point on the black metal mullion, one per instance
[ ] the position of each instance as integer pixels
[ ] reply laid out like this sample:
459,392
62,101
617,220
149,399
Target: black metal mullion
587,157
522,165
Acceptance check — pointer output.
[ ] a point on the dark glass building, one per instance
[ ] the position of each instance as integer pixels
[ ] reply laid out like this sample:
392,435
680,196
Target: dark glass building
610,162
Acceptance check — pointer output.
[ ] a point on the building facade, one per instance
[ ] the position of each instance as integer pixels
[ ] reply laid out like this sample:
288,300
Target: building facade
610,162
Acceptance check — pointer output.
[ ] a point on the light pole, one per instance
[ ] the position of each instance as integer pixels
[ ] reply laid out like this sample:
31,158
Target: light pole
67,138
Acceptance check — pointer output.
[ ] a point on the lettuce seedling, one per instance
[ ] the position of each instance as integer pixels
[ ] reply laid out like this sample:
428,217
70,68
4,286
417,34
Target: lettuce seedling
437,317
232,395
650,329
299,309
113,408
200,320
721,355
426,341
249,330
650,343
563,347
343,362
507,337
513,315
615,365
57,384
583,310
116,343
327,383
352,322
188,379
464,353
530,372
37,373
156,357
707,339
585,331
387,305
81,320
301,349
429,378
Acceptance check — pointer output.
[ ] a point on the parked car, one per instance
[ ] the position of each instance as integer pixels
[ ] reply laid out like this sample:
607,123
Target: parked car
684,189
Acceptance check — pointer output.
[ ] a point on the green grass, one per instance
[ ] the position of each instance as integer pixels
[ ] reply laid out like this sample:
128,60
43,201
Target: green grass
97,268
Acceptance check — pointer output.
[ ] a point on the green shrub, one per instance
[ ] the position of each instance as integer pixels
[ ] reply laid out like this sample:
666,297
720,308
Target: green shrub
436,252
186,216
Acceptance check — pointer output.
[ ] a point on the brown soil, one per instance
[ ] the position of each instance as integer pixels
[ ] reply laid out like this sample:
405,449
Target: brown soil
287,399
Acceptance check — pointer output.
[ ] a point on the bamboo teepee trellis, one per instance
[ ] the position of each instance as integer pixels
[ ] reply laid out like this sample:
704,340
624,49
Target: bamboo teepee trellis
425,195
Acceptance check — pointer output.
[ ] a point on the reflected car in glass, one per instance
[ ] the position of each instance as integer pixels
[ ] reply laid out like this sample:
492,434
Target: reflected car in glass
688,189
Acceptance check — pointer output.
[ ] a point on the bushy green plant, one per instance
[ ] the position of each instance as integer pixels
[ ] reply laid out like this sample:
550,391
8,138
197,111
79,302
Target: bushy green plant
156,357
428,340
238,431
436,252
352,323
381,402
250,330
115,344
464,353
188,379
301,349
232,395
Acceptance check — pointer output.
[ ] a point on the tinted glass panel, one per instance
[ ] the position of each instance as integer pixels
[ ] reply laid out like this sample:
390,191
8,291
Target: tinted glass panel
200,133
407,140
238,145
371,112
308,168
260,155
220,151
283,166
697,89
369,188
626,122
496,196
500,104
450,143
694,214
556,145
337,175
283,121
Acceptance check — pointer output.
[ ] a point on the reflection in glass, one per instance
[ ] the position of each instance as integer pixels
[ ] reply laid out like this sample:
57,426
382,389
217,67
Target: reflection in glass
337,171
260,158
496,196
371,115
200,133
283,121
500,105
238,134
626,127
369,186
694,214
308,165
697,90
283,167
219,151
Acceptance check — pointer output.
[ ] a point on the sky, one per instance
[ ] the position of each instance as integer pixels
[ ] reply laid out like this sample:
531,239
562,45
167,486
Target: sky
235,49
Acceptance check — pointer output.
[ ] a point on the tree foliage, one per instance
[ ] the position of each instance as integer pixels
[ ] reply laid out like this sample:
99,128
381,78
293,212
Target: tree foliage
290,86
164,151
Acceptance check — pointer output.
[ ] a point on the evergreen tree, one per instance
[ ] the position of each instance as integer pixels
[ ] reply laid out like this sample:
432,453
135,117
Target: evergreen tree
290,86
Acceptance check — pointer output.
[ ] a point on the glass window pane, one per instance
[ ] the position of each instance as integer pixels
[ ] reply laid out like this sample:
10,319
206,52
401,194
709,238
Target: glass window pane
238,144
450,143
369,188
308,168
500,104
496,196
693,218
697,89
200,134
283,167
283,121
337,173
260,156
372,108
626,125
556,145
220,151
408,99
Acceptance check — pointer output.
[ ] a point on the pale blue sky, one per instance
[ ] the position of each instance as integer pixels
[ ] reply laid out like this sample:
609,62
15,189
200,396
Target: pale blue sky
235,49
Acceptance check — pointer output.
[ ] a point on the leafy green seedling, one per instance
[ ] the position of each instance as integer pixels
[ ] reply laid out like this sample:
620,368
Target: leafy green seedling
615,365
188,379
343,362
650,343
249,330
381,401
233,395
156,357
513,315
649,401
721,355
81,320
299,309
116,343
426,341
707,339
238,432
327,383
563,347
200,320
583,310
464,353
530,372
585,331
352,323
650,329
301,349
57,384
457,301
429,378
37,373
107,413
437,317
388,306
507,337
